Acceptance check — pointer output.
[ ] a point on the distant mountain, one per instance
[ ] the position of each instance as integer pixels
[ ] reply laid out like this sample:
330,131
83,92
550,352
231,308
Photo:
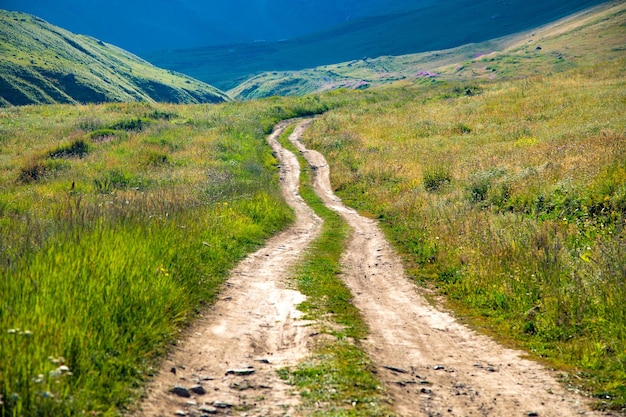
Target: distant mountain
594,35
141,26
375,30
42,63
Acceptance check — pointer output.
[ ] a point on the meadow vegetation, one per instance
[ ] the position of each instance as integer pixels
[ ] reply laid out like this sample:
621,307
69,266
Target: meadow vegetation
118,222
510,198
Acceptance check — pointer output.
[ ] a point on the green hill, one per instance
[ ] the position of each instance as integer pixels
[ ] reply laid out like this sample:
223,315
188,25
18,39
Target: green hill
43,64
553,47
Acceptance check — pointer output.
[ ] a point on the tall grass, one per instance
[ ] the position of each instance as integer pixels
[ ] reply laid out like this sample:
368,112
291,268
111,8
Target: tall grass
511,201
114,244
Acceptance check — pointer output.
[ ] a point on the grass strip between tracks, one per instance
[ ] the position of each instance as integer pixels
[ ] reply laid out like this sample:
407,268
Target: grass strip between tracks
339,378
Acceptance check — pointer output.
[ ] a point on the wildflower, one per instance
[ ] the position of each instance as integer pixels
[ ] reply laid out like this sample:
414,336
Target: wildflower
61,370
47,394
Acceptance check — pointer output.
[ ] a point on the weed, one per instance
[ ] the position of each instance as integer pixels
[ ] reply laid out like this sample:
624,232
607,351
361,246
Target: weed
77,148
131,124
436,178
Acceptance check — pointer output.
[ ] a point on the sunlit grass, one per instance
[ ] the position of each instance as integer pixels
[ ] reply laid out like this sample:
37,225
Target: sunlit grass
511,200
110,243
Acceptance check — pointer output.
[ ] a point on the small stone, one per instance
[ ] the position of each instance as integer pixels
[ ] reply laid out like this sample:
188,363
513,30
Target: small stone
198,389
491,369
173,370
426,391
180,413
191,403
240,372
395,369
532,414
242,386
181,391
208,410
221,404
439,367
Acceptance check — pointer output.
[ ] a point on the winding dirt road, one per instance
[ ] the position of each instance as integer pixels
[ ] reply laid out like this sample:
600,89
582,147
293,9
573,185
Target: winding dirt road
234,350
429,364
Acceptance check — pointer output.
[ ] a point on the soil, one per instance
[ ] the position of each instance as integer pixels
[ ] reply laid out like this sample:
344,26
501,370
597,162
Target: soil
254,326
429,363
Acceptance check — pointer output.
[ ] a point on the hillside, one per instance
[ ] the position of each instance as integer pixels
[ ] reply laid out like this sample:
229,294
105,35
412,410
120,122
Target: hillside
42,63
427,26
553,47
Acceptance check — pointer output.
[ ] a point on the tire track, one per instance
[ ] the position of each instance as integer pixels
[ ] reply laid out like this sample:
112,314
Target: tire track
227,360
429,363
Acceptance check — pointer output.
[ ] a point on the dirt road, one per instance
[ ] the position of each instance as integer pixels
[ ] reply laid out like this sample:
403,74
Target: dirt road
429,363
233,351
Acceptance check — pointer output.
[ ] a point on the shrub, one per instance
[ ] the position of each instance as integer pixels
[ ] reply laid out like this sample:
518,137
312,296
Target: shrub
436,178
33,171
113,180
105,135
156,158
38,168
161,115
137,124
78,148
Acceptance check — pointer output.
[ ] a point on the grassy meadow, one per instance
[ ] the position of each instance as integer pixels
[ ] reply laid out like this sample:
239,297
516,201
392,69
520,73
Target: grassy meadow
118,222
510,198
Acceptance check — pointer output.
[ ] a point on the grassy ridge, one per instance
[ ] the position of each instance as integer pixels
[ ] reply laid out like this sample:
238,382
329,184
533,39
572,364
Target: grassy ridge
552,48
339,378
509,197
43,64
117,223
422,26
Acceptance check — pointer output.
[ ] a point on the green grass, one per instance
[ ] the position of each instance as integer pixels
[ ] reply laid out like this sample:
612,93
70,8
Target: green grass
510,201
339,378
116,241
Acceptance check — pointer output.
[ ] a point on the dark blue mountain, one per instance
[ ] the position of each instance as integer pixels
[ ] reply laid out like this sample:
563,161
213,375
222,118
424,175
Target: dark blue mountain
141,26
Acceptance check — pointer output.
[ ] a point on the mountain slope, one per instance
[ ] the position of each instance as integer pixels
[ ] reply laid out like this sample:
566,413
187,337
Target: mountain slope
562,44
42,63
427,26
167,24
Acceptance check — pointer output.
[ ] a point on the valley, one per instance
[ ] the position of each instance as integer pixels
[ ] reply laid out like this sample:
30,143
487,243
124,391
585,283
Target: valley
425,27
441,233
